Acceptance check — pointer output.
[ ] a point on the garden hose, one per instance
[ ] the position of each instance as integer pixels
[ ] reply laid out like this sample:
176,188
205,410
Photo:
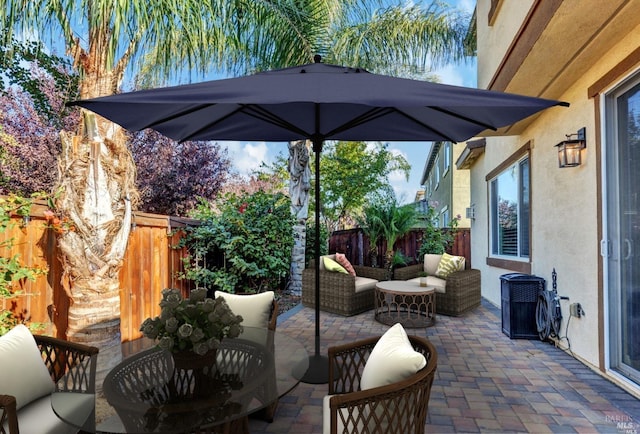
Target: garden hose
548,315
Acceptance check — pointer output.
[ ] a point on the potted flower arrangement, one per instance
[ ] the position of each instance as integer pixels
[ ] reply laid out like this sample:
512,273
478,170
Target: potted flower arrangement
194,325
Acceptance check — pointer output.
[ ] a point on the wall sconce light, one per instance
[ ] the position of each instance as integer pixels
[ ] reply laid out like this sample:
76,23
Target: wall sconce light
569,150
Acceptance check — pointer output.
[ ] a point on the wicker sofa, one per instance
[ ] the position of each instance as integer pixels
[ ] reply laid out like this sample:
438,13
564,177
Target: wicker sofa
340,293
398,406
457,294
32,366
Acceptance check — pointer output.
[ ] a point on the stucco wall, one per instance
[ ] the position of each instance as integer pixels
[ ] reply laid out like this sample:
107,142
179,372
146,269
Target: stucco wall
460,188
499,35
564,207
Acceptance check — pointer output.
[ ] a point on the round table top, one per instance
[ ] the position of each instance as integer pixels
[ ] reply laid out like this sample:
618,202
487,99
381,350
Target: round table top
143,393
403,287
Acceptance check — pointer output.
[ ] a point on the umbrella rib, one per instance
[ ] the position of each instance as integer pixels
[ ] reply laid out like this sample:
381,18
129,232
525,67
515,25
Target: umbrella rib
362,119
265,115
383,111
465,118
176,116
208,125
429,127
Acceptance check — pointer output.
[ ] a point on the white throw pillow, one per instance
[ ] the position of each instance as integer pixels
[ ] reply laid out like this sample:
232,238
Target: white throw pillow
23,373
255,309
393,359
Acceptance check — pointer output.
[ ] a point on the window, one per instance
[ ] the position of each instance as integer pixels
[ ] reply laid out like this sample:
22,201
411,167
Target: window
446,157
509,211
436,167
444,217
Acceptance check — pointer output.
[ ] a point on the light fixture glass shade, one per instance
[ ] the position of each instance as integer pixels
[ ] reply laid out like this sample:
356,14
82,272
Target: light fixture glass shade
569,153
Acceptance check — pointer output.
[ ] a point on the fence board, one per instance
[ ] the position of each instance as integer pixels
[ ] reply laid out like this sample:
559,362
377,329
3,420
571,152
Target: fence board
355,245
148,266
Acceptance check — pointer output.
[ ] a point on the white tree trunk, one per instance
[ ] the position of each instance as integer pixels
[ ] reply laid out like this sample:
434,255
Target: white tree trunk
94,201
300,183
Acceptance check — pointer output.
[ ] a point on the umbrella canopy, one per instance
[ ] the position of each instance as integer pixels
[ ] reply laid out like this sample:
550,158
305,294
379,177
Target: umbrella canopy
317,102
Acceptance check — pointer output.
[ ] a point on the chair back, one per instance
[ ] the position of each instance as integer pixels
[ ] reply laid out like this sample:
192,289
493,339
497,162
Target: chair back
394,408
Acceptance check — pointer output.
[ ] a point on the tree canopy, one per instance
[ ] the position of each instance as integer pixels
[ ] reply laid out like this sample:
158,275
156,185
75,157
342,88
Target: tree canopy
351,172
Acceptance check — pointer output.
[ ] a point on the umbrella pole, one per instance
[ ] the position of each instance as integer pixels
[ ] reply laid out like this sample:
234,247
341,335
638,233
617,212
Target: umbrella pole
318,370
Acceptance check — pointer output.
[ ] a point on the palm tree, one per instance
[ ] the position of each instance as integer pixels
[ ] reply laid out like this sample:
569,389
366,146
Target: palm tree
369,222
393,222
96,171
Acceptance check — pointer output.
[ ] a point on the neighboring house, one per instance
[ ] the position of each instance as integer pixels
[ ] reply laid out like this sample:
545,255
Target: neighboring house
445,187
583,221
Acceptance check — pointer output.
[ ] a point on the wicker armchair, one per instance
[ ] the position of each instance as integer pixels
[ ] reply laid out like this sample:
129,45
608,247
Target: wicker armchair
60,357
338,292
399,407
462,292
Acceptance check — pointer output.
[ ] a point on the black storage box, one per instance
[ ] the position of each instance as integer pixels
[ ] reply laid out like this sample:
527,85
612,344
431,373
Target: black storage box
519,300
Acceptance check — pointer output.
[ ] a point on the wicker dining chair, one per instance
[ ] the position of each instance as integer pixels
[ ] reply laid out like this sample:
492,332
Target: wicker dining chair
400,407
72,367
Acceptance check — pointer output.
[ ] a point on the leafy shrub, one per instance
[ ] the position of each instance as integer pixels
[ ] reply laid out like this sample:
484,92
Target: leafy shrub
310,242
437,240
13,271
243,244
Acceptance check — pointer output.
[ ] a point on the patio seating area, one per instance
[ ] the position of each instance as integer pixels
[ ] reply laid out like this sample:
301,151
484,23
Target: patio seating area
485,382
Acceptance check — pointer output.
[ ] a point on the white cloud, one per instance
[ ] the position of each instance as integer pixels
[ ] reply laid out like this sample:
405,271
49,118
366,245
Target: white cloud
247,156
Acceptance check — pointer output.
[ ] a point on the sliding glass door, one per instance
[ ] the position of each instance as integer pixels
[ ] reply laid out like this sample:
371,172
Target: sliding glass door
622,233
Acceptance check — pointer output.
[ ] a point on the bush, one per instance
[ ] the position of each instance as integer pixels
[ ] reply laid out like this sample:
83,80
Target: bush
310,242
243,244
437,240
13,271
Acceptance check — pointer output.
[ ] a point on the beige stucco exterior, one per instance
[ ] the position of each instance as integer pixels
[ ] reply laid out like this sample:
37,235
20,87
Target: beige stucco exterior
572,50
447,186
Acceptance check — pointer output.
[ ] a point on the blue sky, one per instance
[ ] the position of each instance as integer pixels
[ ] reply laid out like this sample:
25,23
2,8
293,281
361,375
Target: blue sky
247,156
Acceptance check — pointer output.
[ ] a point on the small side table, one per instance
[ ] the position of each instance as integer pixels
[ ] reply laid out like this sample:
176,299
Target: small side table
404,302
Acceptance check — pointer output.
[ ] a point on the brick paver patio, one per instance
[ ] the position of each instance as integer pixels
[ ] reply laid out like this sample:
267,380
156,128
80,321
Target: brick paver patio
485,382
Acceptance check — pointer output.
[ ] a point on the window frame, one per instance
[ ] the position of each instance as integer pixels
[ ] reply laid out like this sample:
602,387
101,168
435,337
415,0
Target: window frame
516,263
446,157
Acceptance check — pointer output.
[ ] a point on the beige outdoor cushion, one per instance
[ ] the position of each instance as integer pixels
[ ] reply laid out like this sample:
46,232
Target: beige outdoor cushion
23,373
255,309
326,418
439,284
364,283
431,262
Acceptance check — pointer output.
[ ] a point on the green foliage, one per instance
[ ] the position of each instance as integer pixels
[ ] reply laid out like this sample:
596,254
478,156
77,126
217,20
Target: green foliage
350,172
310,242
436,240
392,221
12,270
243,244
16,60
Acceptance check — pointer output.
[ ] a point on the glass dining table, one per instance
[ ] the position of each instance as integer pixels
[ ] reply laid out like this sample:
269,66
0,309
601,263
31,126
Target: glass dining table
149,393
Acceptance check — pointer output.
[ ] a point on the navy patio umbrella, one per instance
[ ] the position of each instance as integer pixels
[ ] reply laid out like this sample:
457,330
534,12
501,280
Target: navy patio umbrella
317,102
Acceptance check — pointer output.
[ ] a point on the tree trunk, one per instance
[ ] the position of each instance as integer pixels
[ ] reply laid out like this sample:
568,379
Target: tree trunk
94,201
388,263
299,185
94,319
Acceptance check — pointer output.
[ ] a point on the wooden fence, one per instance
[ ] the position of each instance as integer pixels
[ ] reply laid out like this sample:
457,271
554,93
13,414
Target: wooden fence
150,264
355,245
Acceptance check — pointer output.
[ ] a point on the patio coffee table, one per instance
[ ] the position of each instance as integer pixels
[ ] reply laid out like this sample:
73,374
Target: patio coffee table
404,302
